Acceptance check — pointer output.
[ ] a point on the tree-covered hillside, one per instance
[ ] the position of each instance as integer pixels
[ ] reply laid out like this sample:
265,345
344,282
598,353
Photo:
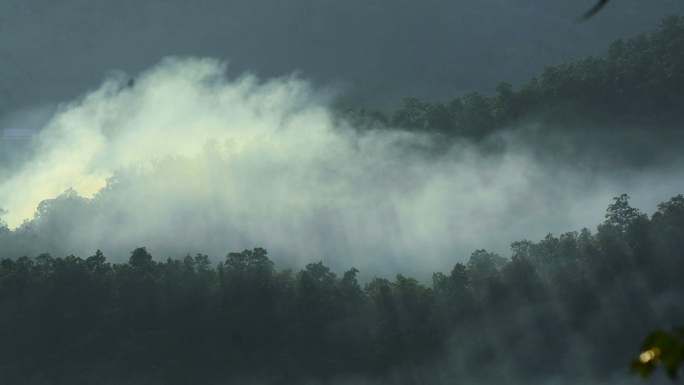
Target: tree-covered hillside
574,306
639,80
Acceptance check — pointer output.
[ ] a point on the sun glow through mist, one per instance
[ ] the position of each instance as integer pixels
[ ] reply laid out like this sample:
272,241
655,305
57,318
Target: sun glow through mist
172,110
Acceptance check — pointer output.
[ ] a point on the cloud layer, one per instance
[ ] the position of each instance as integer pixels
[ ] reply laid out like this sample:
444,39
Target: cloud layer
199,162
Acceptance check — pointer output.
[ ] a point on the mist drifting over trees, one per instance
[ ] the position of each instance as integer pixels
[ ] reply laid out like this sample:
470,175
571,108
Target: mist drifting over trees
378,247
570,308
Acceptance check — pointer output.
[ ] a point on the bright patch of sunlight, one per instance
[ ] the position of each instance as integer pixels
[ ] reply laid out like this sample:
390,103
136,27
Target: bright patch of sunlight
649,355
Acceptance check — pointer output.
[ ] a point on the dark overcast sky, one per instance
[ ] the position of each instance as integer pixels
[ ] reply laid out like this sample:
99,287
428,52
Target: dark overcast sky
380,51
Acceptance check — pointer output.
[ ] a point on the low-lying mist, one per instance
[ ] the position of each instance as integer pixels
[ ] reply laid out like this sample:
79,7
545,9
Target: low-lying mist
186,160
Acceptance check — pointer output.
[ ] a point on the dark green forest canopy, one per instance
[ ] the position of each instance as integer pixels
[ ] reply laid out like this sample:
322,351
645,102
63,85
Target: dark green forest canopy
638,81
185,321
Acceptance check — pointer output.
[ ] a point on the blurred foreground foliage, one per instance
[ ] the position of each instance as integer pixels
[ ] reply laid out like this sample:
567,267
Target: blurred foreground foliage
661,347
562,306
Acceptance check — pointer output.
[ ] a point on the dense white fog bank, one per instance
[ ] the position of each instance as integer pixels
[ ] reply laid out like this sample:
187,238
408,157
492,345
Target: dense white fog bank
200,163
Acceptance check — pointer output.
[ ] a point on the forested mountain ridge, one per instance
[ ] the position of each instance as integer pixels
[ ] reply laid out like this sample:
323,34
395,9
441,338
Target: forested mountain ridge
639,80
573,306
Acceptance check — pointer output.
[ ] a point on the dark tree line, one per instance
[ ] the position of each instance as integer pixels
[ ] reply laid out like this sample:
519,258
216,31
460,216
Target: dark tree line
638,80
70,320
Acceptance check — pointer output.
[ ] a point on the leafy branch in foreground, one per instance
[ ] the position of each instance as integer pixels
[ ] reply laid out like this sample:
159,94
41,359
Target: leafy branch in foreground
661,347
